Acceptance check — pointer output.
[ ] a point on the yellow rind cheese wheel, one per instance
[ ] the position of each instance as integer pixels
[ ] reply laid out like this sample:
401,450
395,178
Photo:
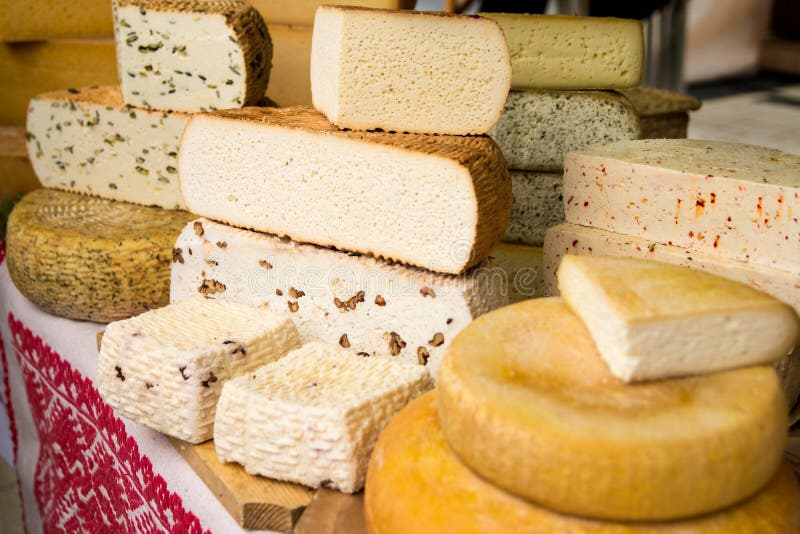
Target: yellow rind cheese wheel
527,402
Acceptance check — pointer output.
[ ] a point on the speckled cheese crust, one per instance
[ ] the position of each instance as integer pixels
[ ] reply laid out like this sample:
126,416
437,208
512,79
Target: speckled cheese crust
726,200
314,416
522,268
166,368
87,141
367,305
538,205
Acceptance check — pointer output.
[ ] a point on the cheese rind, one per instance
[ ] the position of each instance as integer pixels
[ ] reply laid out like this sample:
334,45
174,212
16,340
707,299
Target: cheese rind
727,200
313,417
522,268
652,101
538,205
408,71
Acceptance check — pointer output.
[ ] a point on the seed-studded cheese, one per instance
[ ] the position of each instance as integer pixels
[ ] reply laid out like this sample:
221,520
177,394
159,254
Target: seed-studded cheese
577,440
370,306
166,368
15,168
521,266
289,81
39,20
88,258
727,200
415,483
538,205
87,141
439,202
566,52
408,71
538,128
191,55
313,417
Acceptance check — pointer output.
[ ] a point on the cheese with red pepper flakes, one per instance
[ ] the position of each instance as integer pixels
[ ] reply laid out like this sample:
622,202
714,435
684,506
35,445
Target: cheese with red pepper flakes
165,368
314,416
727,200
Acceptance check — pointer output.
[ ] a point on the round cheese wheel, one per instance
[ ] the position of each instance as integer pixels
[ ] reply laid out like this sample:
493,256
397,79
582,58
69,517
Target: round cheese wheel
528,403
89,258
415,483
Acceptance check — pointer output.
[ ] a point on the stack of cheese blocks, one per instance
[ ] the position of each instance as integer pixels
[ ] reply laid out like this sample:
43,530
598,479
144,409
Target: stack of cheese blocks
641,401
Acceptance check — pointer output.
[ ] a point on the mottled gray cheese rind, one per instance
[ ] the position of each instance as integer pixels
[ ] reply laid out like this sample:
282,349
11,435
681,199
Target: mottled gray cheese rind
538,205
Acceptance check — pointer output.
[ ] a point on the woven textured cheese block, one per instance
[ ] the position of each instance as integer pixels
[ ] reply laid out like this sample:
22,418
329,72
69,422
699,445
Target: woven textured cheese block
91,259
415,483
408,71
191,55
87,141
651,451
313,417
16,170
289,81
36,20
521,266
538,128
566,52
370,306
727,200
538,205
444,200
165,368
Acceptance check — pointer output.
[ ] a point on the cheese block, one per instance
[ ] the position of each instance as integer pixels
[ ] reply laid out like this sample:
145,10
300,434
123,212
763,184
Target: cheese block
664,114
538,205
290,81
444,200
651,320
32,68
566,52
15,169
165,369
577,440
313,417
38,20
727,200
408,71
538,128
88,258
301,12
370,306
522,270
191,55
415,483
87,141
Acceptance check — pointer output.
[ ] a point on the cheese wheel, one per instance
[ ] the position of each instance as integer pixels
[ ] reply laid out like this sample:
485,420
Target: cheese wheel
416,483
528,403
91,259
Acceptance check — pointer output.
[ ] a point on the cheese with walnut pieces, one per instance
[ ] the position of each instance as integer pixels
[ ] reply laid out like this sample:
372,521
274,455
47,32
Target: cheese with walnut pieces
165,368
314,416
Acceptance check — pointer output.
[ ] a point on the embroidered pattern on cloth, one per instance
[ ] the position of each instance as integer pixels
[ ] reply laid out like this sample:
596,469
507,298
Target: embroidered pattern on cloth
90,476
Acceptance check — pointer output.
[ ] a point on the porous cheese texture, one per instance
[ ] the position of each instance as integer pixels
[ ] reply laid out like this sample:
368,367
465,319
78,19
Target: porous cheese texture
438,202
415,483
39,20
166,368
538,128
566,52
538,205
88,141
314,416
15,168
408,71
577,440
191,55
521,266
370,306
88,258
727,200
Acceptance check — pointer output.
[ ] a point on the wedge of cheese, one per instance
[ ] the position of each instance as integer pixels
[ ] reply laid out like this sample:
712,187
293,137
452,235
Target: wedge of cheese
314,416
445,200
39,20
373,307
88,258
566,52
408,71
15,168
538,128
405,493
166,368
290,81
521,266
577,440
727,200
538,205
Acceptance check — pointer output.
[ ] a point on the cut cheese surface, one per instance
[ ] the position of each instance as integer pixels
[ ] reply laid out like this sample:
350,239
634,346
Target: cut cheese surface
191,55
527,380
724,199
15,168
522,269
566,52
87,141
444,200
408,71
538,205
313,417
370,306
406,492
88,258
165,368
